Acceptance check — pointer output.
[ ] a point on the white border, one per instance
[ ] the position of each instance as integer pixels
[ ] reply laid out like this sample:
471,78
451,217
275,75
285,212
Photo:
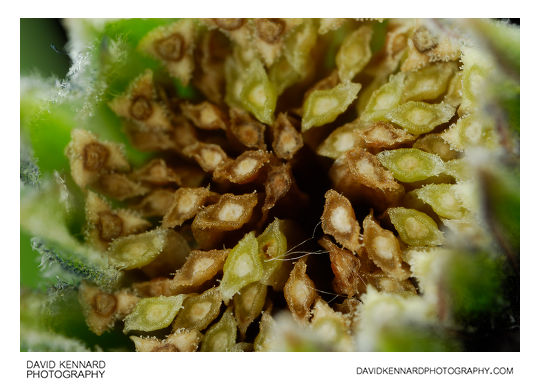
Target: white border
275,367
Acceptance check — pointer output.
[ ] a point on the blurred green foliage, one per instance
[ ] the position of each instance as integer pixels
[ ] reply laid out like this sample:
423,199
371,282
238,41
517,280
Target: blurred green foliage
37,55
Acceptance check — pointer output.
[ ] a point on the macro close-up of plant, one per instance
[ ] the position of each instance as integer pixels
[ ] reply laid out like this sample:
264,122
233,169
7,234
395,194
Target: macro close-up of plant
246,185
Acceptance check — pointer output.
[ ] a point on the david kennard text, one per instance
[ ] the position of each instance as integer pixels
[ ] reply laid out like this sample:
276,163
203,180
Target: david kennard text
65,369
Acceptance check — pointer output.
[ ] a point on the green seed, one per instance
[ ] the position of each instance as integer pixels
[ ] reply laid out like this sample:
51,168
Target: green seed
444,199
298,46
415,228
429,82
221,337
471,131
272,249
138,250
242,267
419,117
330,326
354,53
258,95
384,99
410,164
199,311
248,305
263,340
340,141
459,169
324,106
476,69
283,75
153,313
435,144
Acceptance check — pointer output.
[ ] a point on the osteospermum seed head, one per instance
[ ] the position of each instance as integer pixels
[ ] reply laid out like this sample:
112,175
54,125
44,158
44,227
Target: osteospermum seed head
227,216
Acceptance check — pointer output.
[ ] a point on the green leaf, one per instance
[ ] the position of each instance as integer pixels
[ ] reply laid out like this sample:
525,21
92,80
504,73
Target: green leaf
500,191
411,338
473,282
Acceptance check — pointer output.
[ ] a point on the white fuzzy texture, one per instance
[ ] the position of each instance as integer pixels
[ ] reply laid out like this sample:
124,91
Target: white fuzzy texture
384,310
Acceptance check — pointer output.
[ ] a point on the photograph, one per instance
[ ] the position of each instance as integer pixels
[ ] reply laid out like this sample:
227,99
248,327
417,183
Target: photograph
269,185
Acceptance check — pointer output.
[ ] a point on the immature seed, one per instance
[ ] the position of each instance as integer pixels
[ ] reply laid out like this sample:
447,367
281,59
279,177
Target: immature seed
272,248
248,305
242,267
182,340
411,164
95,156
110,226
269,30
415,228
354,53
324,106
420,117
104,304
199,311
120,186
221,337
153,313
170,48
423,39
141,108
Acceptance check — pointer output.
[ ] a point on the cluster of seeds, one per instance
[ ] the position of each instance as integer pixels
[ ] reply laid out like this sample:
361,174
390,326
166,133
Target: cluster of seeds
358,126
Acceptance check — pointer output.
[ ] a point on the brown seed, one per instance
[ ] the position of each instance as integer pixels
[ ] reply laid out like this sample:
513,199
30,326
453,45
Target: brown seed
380,136
383,249
349,271
170,48
246,130
269,30
200,267
245,169
165,348
104,303
338,219
360,176
95,156
299,291
205,115
141,108
110,226
229,24
287,140
119,186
